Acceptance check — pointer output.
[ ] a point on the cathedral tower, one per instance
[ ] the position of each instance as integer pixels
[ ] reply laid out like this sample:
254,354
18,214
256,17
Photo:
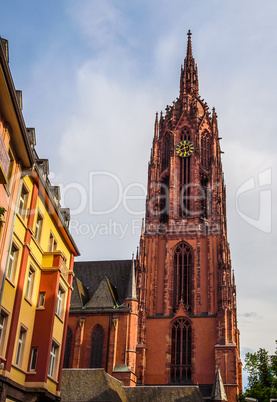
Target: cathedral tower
186,287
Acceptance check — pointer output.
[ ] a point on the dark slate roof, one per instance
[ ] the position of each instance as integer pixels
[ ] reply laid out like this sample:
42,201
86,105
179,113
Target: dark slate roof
88,277
103,297
80,295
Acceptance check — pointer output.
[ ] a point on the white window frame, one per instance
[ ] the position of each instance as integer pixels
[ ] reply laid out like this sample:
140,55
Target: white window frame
33,360
10,172
60,300
3,327
41,299
38,228
53,359
52,245
12,264
22,206
30,283
20,346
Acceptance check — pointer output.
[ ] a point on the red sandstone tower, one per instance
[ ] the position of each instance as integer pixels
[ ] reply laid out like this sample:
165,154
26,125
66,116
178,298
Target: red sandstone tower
185,286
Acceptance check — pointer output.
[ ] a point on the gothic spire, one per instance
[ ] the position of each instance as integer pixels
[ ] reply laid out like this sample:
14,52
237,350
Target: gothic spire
189,75
189,47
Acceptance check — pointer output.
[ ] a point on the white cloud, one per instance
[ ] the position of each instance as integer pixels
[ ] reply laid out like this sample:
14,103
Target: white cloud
101,22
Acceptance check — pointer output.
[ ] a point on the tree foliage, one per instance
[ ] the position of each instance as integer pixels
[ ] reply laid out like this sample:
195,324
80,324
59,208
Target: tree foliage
262,375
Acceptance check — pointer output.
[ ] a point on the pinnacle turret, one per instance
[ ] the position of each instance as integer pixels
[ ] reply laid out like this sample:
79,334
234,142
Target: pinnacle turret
131,289
156,127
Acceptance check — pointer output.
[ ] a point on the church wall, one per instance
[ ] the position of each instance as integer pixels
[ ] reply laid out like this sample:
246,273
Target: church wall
158,354
160,275
117,337
82,327
163,287
158,346
204,341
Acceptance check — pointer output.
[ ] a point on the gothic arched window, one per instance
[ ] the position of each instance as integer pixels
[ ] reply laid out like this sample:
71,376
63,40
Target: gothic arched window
181,351
182,275
97,341
68,345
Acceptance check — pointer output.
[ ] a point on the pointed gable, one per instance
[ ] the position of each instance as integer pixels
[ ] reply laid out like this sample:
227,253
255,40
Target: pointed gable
103,297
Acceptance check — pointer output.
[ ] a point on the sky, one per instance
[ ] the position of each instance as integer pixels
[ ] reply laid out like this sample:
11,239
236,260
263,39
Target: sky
94,73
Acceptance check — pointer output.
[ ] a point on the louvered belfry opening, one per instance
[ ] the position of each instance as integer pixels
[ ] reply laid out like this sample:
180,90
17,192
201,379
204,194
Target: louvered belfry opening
181,352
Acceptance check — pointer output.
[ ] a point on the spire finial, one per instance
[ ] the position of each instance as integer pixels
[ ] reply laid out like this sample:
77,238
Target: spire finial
189,47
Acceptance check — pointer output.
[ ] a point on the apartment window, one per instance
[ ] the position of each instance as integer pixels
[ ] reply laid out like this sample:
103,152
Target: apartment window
2,321
30,283
52,246
22,207
38,227
20,346
12,263
3,325
59,304
64,260
41,299
33,360
4,161
53,360
10,171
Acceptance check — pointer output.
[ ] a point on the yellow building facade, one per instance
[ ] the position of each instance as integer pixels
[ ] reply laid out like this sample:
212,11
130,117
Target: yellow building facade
37,275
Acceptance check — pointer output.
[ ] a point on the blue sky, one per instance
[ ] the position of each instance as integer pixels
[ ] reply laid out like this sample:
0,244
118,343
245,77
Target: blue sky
93,75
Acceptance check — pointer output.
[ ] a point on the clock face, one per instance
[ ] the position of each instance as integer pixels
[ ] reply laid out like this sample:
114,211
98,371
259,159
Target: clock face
184,148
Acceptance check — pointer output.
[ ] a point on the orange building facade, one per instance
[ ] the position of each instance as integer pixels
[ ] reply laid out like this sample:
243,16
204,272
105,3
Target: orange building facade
184,313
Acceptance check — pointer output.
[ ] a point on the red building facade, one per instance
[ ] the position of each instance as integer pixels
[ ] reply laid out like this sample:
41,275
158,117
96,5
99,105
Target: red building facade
185,324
